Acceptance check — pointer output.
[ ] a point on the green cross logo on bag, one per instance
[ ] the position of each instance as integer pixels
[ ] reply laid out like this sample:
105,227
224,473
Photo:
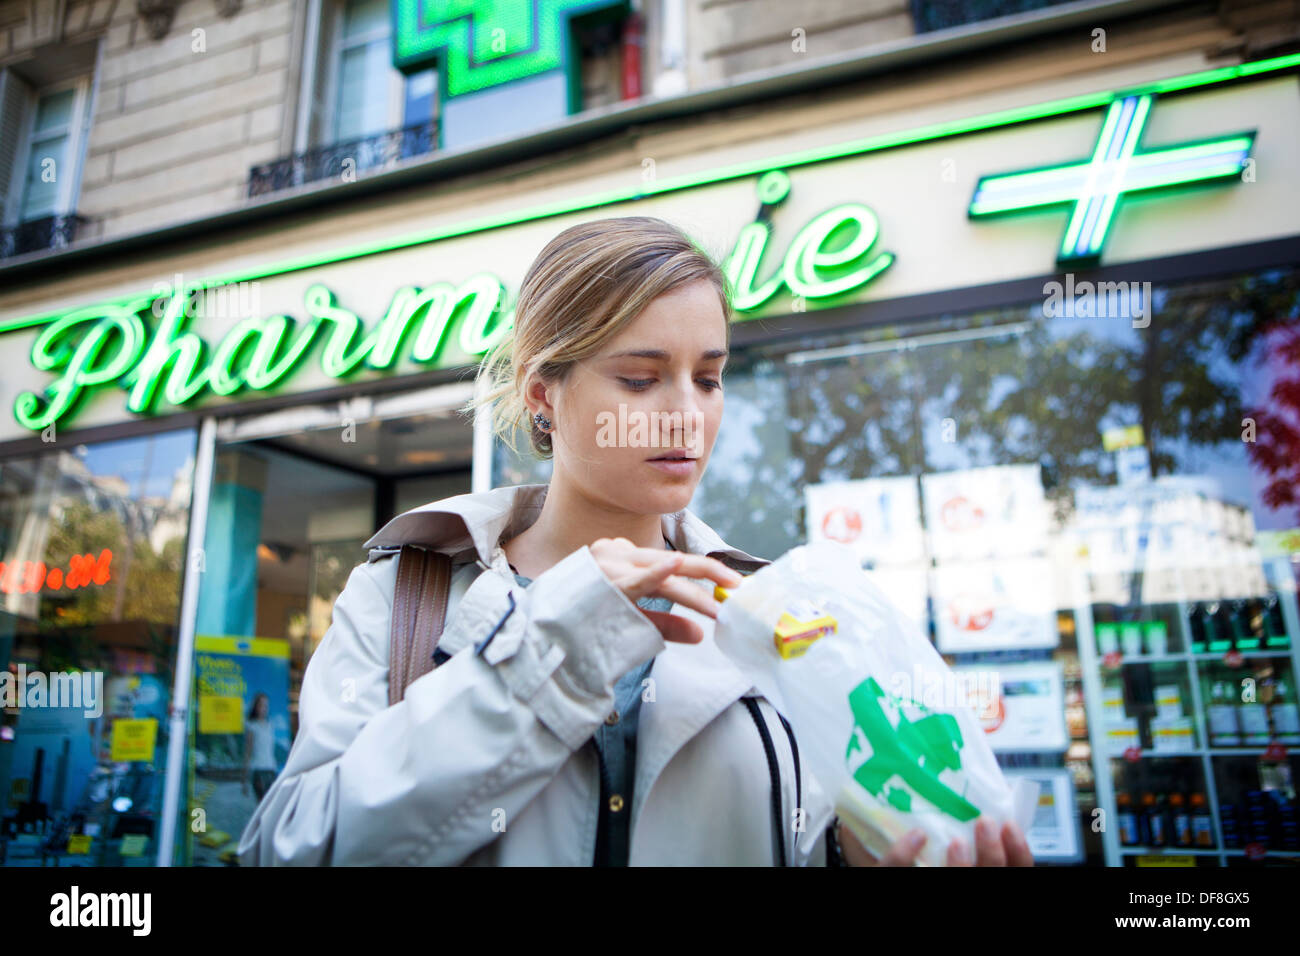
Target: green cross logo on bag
916,752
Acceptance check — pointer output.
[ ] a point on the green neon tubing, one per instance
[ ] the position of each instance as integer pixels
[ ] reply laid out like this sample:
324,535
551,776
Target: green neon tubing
806,254
50,352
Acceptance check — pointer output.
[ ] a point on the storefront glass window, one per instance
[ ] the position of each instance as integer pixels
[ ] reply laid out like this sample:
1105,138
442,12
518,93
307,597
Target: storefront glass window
92,544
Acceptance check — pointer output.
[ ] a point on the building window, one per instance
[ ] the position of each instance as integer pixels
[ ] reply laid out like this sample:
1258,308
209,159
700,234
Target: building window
368,97
930,15
92,559
41,154
362,114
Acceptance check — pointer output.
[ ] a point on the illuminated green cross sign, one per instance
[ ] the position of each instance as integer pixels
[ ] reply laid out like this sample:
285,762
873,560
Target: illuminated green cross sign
1117,168
484,43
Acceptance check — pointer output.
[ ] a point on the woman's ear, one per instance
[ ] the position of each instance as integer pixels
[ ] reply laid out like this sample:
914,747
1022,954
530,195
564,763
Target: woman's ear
539,397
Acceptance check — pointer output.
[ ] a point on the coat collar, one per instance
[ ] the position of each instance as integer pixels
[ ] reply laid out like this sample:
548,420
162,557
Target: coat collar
473,525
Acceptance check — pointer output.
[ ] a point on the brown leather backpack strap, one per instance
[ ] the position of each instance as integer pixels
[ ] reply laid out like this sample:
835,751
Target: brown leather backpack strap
419,612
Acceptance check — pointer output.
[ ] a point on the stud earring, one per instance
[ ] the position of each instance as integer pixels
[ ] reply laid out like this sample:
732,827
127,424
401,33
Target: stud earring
542,421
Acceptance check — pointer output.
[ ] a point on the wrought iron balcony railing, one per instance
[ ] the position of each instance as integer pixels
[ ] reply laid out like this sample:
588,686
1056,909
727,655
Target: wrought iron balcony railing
34,235
930,15
343,159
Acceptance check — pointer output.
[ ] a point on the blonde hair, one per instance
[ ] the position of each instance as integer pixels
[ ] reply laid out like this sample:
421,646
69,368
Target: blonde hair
589,282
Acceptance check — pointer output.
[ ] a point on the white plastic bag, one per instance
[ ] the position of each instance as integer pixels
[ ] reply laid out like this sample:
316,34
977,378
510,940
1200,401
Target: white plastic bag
883,723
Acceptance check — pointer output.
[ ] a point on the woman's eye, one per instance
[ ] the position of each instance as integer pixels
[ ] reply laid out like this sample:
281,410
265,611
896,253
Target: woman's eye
710,383
637,383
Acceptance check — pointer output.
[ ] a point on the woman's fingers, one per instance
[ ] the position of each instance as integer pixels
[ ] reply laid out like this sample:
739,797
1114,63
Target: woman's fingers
701,566
666,577
995,846
959,854
1017,847
905,850
642,580
683,592
674,627
988,845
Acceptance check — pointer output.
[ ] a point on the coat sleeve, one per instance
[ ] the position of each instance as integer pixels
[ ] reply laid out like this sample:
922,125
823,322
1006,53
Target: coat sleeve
423,781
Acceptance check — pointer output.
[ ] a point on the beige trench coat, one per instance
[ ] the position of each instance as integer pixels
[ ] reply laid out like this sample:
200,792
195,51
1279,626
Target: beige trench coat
489,759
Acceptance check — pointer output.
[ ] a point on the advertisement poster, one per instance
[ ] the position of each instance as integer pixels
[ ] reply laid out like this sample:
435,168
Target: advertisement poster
1054,833
240,718
1026,712
1007,604
985,512
880,518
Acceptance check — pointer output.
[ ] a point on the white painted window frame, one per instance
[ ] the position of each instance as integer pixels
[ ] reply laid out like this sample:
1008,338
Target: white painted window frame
69,185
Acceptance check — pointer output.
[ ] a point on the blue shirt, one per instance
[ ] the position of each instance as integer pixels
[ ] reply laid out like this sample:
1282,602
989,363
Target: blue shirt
616,747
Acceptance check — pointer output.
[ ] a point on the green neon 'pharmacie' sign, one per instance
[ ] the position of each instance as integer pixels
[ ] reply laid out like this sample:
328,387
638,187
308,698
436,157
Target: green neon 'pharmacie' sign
144,345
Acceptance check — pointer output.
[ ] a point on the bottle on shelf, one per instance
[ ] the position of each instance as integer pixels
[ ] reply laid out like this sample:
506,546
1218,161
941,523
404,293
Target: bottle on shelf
1107,638
1259,817
1274,624
1130,638
1198,628
1244,621
1288,824
1223,627
1202,827
1157,638
1157,829
1284,714
1224,729
1252,715
1128,828
1180,820
1231,829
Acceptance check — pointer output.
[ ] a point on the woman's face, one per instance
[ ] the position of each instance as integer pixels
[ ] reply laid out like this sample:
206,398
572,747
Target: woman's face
653,392
260,706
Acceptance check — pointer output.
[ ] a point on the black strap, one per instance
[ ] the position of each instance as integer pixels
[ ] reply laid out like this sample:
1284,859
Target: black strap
769,750
794,749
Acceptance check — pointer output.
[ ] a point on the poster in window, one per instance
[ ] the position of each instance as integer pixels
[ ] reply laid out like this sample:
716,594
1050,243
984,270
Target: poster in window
879,518
1003,604
1053,835
241,735
1021,706
985,512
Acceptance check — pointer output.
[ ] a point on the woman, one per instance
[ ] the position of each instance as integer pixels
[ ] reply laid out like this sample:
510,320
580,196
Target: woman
259,747
578,713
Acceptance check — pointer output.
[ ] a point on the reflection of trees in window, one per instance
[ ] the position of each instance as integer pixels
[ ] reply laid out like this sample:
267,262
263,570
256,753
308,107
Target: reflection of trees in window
750,492
144,584
1043,395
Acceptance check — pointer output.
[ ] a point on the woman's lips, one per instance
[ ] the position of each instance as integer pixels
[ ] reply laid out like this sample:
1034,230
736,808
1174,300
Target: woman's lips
680,467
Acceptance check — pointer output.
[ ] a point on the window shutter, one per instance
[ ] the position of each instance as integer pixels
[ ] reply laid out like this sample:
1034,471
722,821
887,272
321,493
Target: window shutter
14,96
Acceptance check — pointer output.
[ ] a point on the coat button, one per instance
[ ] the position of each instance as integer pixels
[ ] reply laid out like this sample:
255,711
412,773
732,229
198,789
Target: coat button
612,719
616,803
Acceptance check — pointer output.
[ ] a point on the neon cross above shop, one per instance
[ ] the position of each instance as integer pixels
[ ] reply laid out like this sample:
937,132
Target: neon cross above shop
485,43
1117,168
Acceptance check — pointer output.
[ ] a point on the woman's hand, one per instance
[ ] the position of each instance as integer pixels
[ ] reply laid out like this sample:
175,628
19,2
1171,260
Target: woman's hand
649,572
1010,850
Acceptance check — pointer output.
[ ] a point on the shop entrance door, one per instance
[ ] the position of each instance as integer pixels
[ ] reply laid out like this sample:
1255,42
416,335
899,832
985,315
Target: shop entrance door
294,497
